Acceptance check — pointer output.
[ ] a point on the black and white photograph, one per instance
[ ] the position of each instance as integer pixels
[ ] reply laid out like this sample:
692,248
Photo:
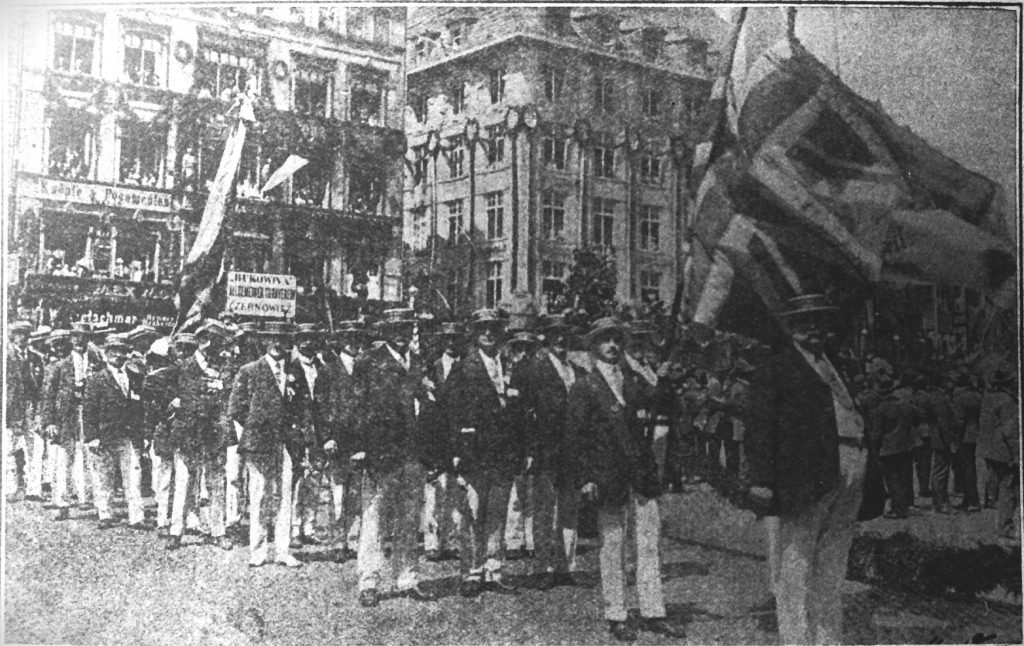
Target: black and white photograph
499,323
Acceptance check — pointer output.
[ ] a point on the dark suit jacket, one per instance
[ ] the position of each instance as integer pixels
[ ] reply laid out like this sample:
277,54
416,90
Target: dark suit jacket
999,427
966,405
891,426
257,404
608,441
791,436
61,399
198,424
547,398
107,414
24,381
309,408
386,424
470,401
160,388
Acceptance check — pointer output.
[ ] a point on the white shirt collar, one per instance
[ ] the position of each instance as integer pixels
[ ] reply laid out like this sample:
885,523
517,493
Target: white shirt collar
403,361
564,370
612,374
494,370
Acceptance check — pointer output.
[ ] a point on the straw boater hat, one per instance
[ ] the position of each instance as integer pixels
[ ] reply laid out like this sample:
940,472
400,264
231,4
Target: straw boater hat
79,328
278,328
449,330
604,327
307,330
185,340
116,341
808,304
554,323
20,327
523,338
486,318
58,336
397,318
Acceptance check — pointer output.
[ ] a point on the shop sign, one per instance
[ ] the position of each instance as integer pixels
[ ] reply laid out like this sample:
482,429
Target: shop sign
117,196
269,295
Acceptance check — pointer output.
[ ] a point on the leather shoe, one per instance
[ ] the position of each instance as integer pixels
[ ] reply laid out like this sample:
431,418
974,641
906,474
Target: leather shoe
141,527
369,598
288,560
662,626
107,523
546,581
499,585
257,562
470,587
417,593
622,631
63,514
173,543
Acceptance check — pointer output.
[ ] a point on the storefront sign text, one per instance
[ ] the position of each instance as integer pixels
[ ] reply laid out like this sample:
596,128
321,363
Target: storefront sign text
118,196
269,295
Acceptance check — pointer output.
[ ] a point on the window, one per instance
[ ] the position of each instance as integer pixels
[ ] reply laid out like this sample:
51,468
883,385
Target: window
359,23
553,284
145,58
365,88
604,157
558,20
652,42
457,157
454,221
651,101
423,48
74,47
496,84
420,106
493,295
650,223
296,14
457,34
457,97
365,187
650,169
454,287
604,222
554,82
313,86
553,152
603,94
420,227
224,72
493,205
495,143
326,18
142,153
381,29
552,215
420,162
650,286
72,150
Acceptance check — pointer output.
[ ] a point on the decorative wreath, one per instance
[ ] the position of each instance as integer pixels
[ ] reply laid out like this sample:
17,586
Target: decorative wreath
183,52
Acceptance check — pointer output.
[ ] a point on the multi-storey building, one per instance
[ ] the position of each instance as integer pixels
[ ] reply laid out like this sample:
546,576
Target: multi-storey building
535,131
120,120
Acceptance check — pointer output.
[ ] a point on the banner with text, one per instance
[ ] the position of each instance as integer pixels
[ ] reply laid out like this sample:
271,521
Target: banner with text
269,295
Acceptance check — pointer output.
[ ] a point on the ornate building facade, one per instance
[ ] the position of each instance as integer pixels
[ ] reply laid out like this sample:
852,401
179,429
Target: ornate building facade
534,131
120,122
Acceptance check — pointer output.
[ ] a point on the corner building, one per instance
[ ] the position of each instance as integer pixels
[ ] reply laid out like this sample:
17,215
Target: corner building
534,131
120,126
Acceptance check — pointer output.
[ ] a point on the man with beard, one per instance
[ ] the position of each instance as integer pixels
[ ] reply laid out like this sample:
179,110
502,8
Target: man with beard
198,436
807,459
259,409
112,421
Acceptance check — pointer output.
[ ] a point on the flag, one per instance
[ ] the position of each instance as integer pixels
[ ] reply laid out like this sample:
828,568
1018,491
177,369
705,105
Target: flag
205,266
803,186
287,169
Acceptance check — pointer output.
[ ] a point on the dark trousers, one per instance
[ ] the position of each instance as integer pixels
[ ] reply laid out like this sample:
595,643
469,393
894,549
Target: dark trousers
923,467
483,502
965,471
942,461
898,471
1008,478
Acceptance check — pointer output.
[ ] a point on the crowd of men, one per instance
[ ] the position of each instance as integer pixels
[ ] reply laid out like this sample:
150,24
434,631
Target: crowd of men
376,436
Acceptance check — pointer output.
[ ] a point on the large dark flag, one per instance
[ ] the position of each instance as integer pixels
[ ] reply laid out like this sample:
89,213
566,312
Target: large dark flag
206,264
802,184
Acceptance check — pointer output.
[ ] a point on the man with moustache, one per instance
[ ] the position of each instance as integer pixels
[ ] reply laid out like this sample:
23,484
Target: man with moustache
616,465
259,408
545,385
112,416
806,462
388,387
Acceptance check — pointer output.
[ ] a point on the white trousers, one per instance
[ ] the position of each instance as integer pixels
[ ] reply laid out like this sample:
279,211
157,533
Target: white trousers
270,491
233,478
60,485
189,471
519,521
104,465
163,477
612,526
807,557
35,451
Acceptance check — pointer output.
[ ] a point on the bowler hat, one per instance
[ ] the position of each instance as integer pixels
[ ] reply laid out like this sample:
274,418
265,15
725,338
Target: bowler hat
808,304
278,328
604,327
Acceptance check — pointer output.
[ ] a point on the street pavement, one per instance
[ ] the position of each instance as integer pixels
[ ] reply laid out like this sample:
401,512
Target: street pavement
72,583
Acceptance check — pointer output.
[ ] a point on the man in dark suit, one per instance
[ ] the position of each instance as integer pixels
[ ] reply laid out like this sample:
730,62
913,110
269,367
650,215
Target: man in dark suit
487,453
24,379
545,385
159,390
807,459
945,443
199,438
388,386
112,420
61,417
616,465
890,427
966,405
309,409
259,407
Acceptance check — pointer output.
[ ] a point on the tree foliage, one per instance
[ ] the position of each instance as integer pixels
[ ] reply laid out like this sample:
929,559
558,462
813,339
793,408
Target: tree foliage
590,287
